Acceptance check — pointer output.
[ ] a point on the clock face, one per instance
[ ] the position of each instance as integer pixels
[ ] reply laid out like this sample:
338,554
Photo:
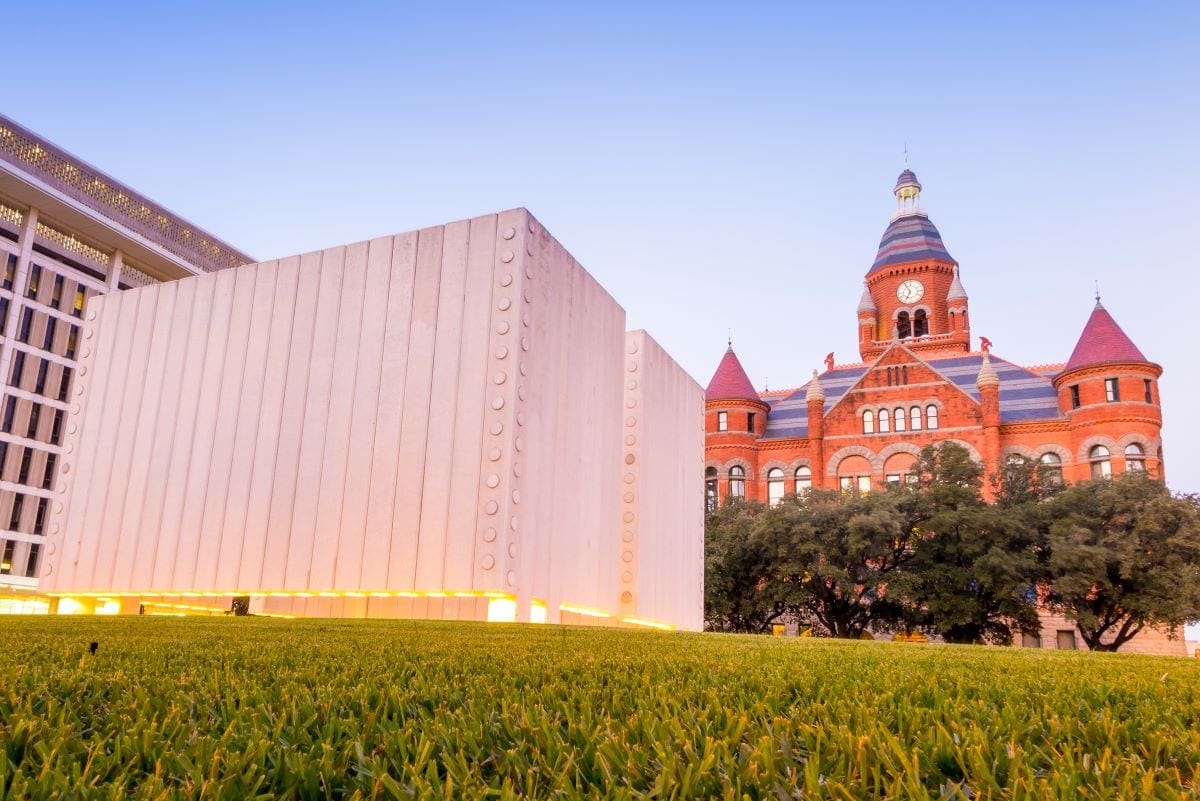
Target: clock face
910,291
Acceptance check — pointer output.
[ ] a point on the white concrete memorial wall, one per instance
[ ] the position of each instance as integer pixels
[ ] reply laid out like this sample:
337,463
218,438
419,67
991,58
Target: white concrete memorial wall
449,423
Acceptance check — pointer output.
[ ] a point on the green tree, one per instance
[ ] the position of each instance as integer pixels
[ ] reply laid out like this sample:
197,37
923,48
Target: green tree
832,555
975,566
737,592
1123,554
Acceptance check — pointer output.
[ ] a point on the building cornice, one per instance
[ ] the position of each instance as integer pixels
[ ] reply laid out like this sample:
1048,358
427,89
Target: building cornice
1106,369
45,166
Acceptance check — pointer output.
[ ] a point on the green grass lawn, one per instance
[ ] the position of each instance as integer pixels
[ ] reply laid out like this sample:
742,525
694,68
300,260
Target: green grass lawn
244,708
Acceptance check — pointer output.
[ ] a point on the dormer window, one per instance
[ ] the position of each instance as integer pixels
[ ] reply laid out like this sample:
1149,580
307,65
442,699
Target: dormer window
722,421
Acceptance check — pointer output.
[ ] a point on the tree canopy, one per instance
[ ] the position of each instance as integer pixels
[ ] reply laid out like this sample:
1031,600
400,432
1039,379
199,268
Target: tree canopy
1113,555
1123,554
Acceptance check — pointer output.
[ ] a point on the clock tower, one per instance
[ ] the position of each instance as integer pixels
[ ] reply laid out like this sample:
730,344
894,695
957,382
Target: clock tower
912,292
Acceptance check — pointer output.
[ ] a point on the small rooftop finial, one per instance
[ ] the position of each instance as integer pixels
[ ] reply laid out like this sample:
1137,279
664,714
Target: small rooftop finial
729,340
987,376
1097,292
906,155
815,391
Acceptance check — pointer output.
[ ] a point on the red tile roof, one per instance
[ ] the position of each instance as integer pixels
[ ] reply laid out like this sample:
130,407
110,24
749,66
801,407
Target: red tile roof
730,381
1102,341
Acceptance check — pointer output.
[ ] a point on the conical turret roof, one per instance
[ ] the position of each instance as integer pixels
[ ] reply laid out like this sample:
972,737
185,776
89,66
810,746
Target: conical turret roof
957,291
1102,341
866,304
730,381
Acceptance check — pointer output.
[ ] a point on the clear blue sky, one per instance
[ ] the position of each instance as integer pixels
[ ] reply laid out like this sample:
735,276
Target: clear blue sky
715,166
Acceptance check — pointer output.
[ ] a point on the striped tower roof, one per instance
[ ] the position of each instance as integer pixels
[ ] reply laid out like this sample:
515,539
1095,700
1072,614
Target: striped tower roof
730,381
1102,341
910,238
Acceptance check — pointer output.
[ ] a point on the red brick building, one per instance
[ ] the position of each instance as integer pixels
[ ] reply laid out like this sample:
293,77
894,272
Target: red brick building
857,426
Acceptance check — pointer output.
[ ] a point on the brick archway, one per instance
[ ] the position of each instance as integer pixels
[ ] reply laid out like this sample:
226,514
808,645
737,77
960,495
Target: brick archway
831,464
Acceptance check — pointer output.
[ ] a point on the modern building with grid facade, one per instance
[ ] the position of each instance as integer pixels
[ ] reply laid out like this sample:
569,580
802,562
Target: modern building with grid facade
68,232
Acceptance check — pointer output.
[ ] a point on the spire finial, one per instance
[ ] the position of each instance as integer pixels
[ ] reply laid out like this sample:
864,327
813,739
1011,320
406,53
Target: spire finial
729,340
906,155
1097,292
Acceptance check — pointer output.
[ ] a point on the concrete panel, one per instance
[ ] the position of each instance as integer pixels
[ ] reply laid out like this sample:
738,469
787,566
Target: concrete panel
662,507
431,424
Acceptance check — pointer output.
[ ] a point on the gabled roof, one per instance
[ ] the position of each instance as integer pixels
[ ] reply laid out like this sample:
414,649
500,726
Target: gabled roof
910,238
1102,341
1024,394
730,381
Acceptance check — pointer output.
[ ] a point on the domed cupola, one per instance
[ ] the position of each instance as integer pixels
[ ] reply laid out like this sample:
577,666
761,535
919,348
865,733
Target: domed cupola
910,236
907,184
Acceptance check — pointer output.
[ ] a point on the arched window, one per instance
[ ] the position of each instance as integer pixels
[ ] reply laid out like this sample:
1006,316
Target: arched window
1052,467
920,323
737,482
931,416
774,486
899,419
1101,462
854,474
803,479
710,489
885,421
903,326
1135,458
868,422
914,418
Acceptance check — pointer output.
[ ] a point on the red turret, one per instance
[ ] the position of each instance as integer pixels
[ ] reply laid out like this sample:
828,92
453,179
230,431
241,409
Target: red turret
1109,391
734,418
